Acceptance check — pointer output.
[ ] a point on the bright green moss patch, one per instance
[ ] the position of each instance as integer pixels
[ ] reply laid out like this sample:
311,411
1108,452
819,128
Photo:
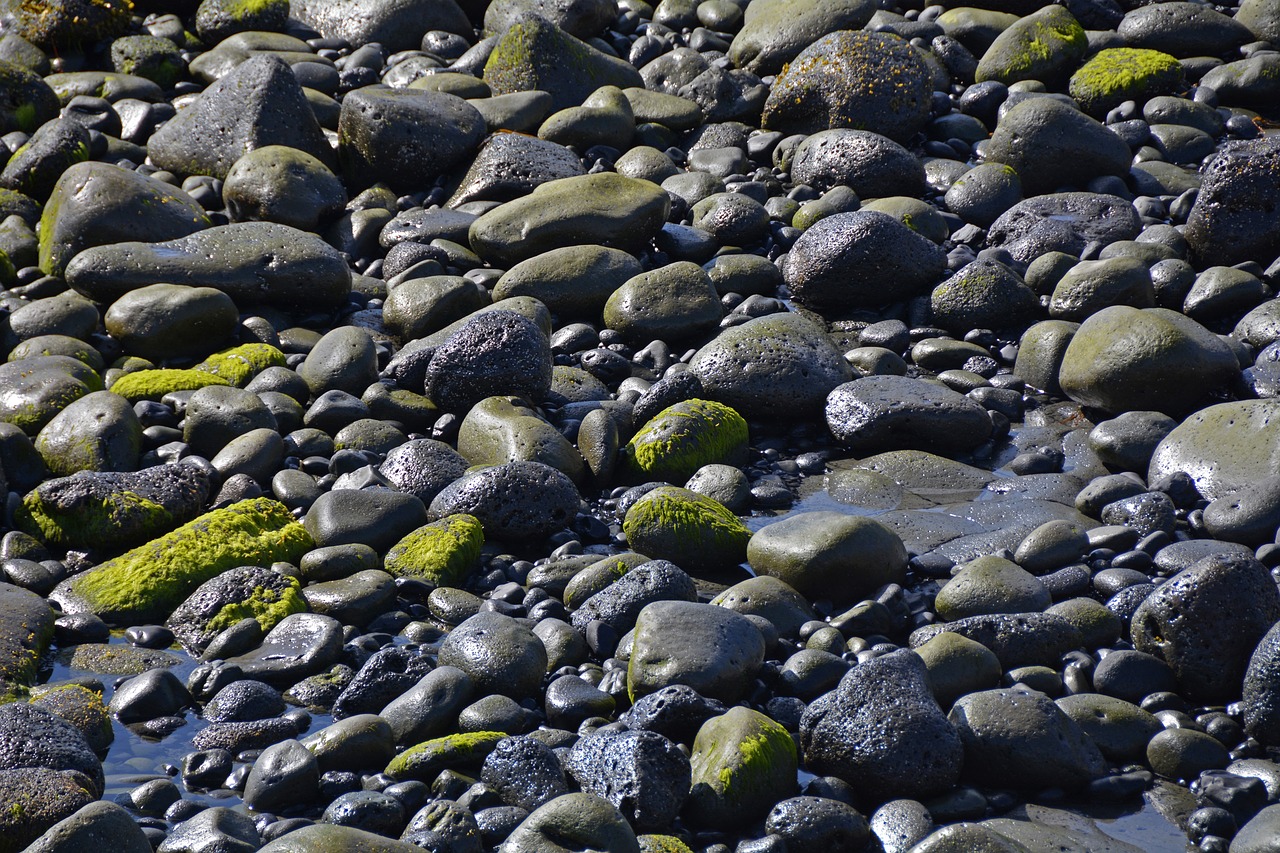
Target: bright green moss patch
154,384
662,844
147,583
267,606
1042,46
238,365
691,530
425,761
743,762
1119,74
442,553
682,438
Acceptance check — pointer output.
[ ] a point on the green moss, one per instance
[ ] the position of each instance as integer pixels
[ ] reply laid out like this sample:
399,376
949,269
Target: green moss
240,364
1119,74
442,553
268,606
682,438
12,691
154,384
1043,45
742,763
100,522
238,10
425,761
691,530
147,583
662,844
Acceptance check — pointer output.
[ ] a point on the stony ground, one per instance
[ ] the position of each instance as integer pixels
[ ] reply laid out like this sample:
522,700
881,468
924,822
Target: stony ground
566,425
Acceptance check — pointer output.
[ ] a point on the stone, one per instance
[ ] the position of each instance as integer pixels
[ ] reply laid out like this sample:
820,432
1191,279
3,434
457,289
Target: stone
673,303
1119,74
581,820
829,555
1051,145
643,774
742,763
513,501
1228,222
871,164
98,432
498,653
1222,448
1067,222
676,524
713,650
494,353
97,823
1045,45
991,585
34,737
983,295
880,413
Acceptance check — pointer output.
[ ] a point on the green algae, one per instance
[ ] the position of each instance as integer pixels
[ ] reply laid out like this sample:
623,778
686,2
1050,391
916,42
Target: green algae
147,583
240,364
682,438
265,605
425,761
442,552
691,530
155,384
1119,74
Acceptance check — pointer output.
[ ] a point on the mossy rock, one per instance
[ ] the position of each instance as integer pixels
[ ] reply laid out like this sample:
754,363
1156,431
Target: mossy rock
26,627
218,19
1043,46
155,384
111,510
82,708
682,438
1120,74
145,584
442,553
662,844
150,57
451,752
245,592
743,763
240,364
26,101
107,659
66,23
689,529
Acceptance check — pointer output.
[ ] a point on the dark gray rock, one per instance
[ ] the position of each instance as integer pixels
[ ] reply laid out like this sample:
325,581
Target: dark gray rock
618,604
33,737
580,18
1229,222
882,731
281,184
35,167
375,517
285,774
818,823
430,708
395,25
713,650
242,702
582,821
98,432
148,695
860,260
510,165
216,828
1183,30
1018,639
385,676
870,164
524,772
643,774
301,644
515,501
984,295
218,603
1064,222
1206,621
499,654
497,352
423,467
98,824
1017,737
36,798
675,712
880,413
259,103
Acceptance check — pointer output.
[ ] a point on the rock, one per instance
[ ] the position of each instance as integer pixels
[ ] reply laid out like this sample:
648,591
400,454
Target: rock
1045,45
1039,138
98,433
35,799
430,708
95,204
285,774
1183,29
300,645
1021,738
1181,622
1119,74
147,583
229,830
1063,222
534,54
682,438
498,653
422,467
958,666
870,164
580,18
97,823
217,415
442,552
38,388
882,732
776,33
494,353
713,650
452,752
1184,754
525,773
1089,286
395,25
643,774
1227,224
619,603
778,365
148,695
28,100
515,501
258,104
252,262
111,510
34,168
375,517
881,413
742,763
171,321
991,585
353,600
982,295
1222,448
1120,729
605,209
574,281
674,523
339,839
673,303
771,598
867,81
817,821
829,555
578,820
1128,359
276,183
1018,639
33,737
844,261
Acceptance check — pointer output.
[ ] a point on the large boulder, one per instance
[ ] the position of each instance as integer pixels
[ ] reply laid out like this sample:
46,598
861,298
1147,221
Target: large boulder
1231,221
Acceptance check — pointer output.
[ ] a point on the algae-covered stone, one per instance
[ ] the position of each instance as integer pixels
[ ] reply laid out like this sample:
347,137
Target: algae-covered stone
693,531
537,55
984,294
34,799
991,585
777,32
1120,729
442,552
26,626
239,364
829,554
861,80
163,321
155,384
1222,448
1043,46
26,101
245,592
54,24
110,510
498,430
1129,359
252,262
606,209
743,762
147,583
219,19
1050,145
150,57
682,438
574,281
1120,74
82,708
673,303
711,649
98,432
451,752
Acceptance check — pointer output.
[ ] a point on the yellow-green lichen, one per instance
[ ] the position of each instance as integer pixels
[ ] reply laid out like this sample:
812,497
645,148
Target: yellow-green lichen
1119,74
154,384
682,438
1043,45
662,844
265,604
442,553
742,763
238,365
691,530
148,582
427,759
99,522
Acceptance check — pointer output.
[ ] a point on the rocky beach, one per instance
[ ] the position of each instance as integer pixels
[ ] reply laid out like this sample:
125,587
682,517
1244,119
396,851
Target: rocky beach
551,426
